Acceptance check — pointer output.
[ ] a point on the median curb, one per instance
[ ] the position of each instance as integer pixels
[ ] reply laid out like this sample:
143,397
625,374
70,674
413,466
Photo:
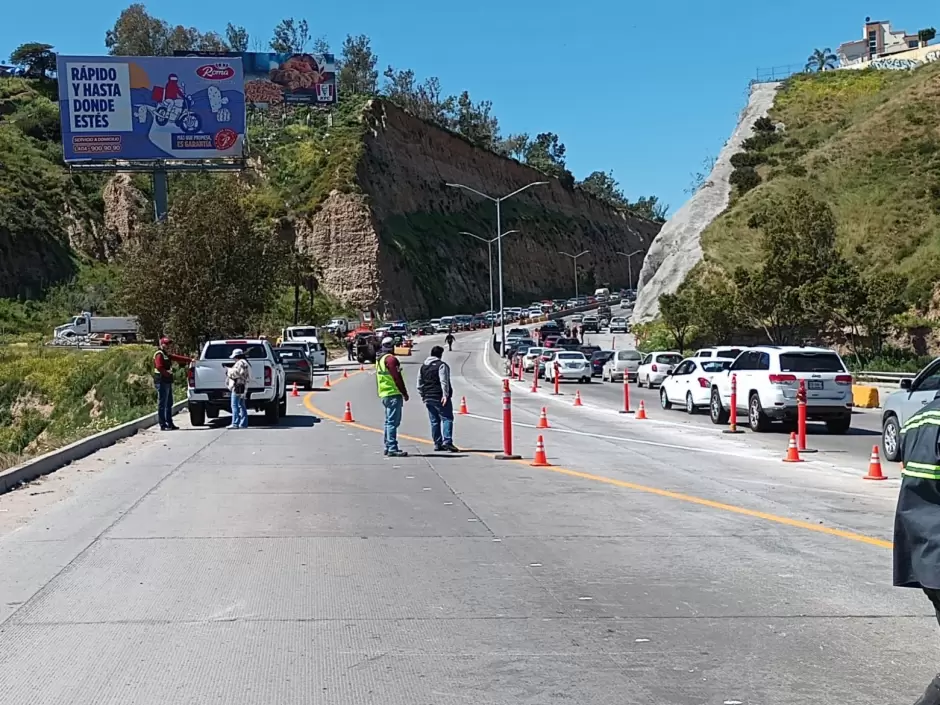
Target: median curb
56,459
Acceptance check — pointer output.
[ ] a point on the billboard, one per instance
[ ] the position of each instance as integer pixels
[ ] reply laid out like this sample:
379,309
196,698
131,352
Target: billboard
275,79
151,107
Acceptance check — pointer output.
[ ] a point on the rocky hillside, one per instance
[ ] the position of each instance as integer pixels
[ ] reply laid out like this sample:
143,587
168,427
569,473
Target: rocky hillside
866,143
364,194
393,240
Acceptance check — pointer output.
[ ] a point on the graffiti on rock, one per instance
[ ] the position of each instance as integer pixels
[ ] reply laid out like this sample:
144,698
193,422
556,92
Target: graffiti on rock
931,56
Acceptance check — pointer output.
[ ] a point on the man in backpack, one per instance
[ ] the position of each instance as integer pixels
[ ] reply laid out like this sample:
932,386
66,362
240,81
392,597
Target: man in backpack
450,341
437,395
392,392
163,361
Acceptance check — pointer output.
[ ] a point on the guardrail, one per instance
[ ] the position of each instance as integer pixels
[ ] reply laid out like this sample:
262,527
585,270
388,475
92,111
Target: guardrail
887,377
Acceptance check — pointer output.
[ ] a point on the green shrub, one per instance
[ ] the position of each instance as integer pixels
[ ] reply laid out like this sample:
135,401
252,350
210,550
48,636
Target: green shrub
745,159
745,179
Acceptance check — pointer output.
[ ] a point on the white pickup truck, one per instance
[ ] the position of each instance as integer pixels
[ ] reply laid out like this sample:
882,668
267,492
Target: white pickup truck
309,337
208,393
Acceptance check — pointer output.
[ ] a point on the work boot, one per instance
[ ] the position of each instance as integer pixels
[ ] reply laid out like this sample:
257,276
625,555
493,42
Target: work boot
451,448
404,454
931,696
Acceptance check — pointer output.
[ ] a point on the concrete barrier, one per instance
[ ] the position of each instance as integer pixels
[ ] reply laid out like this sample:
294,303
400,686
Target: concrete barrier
865,396
52,461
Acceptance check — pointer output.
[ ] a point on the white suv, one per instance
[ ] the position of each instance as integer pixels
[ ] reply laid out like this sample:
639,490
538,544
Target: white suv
768,378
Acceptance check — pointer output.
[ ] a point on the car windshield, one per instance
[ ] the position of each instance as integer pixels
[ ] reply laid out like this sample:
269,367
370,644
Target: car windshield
669,359
522,350
223,351
811,362
570,356
629,355
604,355
289,353
729,354
532,352
716,365
302,332
619,320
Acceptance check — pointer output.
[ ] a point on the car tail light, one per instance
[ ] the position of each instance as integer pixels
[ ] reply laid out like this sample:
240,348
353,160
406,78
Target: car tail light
654,368
843,379
191,377
302,364
703,383
267,376
782,379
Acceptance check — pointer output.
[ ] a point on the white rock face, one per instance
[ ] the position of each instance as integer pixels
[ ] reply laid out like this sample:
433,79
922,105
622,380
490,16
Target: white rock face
677,248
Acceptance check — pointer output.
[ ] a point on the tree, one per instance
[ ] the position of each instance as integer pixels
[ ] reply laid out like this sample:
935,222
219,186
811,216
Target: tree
168,281
137,33
321,45
676,311
798,238
290,37
884,300
513,146
714,311
547,154
926,35
650,208
476,122
357,72
425,100
822,60
36,59
603,185
237,37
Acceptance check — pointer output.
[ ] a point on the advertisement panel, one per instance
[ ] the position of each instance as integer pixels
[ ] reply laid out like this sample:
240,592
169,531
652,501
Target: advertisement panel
151,107
292,79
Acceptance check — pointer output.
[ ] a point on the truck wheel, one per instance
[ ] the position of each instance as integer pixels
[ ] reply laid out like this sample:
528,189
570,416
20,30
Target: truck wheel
212,413
271,411
197,415
282,405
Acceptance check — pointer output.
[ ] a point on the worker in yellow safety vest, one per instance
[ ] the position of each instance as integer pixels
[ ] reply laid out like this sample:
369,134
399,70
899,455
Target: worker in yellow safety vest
393,393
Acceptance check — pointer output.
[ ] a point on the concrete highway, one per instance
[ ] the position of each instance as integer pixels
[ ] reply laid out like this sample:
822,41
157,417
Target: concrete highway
653,562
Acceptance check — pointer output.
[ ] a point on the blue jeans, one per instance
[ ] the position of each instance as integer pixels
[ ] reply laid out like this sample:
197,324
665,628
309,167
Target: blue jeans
239,411
393,407
164,403
441,415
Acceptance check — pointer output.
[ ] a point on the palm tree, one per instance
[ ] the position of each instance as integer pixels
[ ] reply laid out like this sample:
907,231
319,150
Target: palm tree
822,60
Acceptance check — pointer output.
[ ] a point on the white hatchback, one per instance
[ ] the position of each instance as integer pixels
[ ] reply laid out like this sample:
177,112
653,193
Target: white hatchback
655,366
568,365
690,383
623,362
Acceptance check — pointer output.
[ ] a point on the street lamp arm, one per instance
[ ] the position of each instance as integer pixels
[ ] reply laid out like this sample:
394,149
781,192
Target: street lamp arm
481,239
582,253
520,190
473,190
631,254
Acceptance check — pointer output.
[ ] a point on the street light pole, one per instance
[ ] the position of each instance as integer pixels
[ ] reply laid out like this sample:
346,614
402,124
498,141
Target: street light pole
630,264
499,248
489,247
574,261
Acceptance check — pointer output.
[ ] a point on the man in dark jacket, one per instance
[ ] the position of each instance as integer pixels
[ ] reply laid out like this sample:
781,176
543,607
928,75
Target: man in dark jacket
437,394
450,342
163,361
917,520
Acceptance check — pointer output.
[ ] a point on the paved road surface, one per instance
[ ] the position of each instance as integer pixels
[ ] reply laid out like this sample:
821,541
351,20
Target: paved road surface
295,564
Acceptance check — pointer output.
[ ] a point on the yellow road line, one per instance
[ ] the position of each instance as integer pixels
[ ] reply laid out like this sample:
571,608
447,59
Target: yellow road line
692,499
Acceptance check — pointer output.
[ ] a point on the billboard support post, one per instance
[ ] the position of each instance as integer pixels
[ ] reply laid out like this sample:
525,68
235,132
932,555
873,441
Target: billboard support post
160,195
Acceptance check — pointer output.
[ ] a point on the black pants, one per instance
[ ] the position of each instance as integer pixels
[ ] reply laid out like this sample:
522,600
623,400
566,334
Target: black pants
934,597
349,354
450,345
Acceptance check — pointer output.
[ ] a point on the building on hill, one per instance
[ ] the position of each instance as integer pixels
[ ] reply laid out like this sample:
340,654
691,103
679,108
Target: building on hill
878,39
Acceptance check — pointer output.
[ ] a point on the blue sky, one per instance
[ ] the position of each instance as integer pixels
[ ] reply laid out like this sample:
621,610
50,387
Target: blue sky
646,89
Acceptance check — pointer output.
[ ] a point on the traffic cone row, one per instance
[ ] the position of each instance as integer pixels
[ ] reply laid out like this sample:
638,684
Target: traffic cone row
463,406
540,460
543,420
347,416
793,453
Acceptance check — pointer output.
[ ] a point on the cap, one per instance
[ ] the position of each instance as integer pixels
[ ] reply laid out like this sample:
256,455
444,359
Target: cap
165,341
387,341
237,352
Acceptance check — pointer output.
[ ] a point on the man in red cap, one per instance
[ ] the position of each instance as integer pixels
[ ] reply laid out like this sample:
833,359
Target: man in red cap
163,361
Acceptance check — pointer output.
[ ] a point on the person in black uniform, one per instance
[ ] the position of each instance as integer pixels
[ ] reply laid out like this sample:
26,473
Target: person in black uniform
450,340
917,519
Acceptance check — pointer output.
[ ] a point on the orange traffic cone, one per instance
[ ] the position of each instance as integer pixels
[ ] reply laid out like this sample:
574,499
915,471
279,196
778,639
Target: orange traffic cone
327,385
543,420
577,398
293,391
641,412
345,374
463,406
540,460
362,368
347,416
793,453
874,466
